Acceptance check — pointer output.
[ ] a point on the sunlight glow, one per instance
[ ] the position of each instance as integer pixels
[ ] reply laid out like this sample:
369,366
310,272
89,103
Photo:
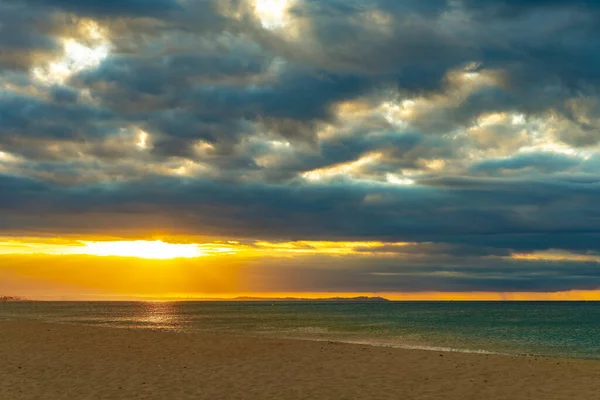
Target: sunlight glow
142,142
518,119
556,255
435,165
155,250
394,180
8,162
203,147
551,146
272,14
147,269
76,57
8,158
349,168
400,113
492,119
160,250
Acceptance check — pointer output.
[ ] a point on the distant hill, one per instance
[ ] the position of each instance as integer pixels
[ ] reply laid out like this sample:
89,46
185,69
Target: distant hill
328,299
11,298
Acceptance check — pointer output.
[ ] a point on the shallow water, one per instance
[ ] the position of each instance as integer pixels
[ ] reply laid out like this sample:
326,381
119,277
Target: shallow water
566,329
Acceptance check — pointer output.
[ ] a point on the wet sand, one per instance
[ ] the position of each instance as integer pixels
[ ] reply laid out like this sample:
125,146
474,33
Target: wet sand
54,361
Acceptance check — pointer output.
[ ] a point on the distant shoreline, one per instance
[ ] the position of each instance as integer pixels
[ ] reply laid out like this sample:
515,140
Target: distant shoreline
6,299
10,299
360,299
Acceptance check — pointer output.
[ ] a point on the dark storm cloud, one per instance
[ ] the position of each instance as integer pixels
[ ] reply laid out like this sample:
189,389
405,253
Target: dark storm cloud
512,8
542,162
26,36
399,275
580,241
31,117
161,75
437,249
547,54
97,8
424,34
400,150
61,94
168,103
297,93
332,212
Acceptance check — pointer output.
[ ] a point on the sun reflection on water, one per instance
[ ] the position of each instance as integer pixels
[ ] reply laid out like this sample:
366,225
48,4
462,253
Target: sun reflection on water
158,314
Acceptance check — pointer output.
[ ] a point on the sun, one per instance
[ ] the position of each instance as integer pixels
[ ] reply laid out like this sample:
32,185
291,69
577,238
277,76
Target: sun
155,250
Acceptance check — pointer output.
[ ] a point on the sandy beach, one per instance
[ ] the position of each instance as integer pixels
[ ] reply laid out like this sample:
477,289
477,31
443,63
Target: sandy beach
54,361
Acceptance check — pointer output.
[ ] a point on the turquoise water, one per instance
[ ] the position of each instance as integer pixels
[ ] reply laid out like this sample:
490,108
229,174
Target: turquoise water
566,329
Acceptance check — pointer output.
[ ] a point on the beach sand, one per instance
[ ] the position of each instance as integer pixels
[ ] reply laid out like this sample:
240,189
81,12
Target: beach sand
54,361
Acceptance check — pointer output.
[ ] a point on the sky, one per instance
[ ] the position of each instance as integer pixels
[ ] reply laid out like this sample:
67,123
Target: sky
443,149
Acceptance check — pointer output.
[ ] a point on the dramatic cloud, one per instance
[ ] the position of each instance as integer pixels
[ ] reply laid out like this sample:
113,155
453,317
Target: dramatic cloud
470,129
133,8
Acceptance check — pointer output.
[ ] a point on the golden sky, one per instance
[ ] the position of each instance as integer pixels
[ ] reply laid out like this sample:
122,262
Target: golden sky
67,268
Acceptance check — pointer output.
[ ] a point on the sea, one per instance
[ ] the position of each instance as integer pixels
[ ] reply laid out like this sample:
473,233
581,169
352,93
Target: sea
553,329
